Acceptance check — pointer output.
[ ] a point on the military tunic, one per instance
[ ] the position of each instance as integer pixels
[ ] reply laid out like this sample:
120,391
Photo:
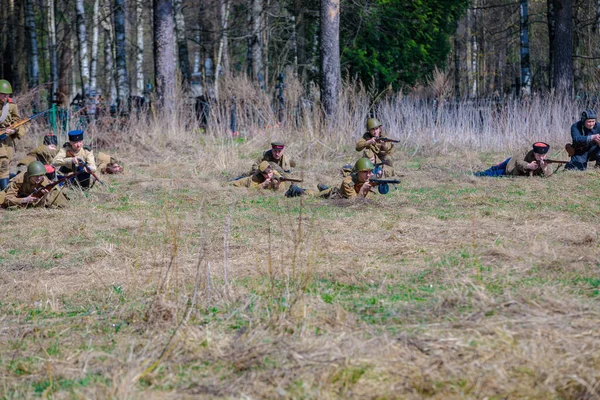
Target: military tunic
349,189
20,187
103,160
43,153
64,158
7,146
382,150
517,166
255,180
282,165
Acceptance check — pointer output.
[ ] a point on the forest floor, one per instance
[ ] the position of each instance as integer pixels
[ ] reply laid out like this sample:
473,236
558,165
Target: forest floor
168,283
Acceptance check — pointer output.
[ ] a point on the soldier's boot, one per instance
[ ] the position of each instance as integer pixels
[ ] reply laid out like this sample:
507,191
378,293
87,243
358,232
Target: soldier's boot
294,191
322,186
3,183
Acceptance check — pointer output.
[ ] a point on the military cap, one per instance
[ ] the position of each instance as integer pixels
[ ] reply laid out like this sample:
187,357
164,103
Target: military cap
75,136
262,167
541,147
278,144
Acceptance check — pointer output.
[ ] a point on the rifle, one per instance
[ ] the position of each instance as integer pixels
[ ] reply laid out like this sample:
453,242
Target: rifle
383,184
555,161
3,134
385,140
287,179
39,192
85,166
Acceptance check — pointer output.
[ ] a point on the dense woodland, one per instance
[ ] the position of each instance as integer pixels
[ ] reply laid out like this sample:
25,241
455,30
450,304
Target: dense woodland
438,48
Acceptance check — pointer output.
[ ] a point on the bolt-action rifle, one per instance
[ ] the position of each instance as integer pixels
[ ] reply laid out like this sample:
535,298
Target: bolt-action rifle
385,140
287,179
40,192
86,167
4,135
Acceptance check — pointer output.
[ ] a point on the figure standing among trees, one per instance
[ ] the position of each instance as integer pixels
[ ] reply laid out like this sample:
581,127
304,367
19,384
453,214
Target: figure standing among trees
9,114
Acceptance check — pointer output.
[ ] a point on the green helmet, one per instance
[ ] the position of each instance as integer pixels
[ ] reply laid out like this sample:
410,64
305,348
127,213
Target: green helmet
5,87
36,168
363,164
373,123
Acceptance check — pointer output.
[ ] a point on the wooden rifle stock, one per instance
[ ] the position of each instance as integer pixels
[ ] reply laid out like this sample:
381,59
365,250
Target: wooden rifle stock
20,123
85,166
286,179
555,162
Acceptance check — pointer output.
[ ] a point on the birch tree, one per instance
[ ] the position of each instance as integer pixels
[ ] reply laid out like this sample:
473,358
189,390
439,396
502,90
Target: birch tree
94,52
84,67
53,53
164,53
182,47
139,54
120,56
256,17
222,42
30,21
331,80
525,64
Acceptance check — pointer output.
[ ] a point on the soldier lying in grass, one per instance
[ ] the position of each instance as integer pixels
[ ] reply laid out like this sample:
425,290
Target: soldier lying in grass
264,178
528,163
27,190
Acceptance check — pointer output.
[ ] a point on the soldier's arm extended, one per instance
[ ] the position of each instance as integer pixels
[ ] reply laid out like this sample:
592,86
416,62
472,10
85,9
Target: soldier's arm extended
61,159
362,144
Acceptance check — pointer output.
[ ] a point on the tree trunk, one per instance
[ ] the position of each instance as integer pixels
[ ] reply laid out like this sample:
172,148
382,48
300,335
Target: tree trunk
331,80
222,42
109,54
164,53
139,54
21,47
182,47
84,67
562,47
300,42
256,38
120,57
94,52
53,51
474,53
31,29
525,64
456,65
198,51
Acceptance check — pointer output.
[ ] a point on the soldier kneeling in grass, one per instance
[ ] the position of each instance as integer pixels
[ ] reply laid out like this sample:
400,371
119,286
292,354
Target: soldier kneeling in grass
264,178
528,163
27,189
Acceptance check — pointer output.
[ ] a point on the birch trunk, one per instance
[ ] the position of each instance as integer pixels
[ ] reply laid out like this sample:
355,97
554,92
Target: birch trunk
109,51
256,37
139,55
182,48
525,64
120,57
52,51
30,21
94,52
222,43
164,54
198,51
84,67
331,80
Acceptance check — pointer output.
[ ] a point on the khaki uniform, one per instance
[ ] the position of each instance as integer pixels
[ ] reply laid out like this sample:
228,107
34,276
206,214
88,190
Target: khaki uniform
103,160
381,150
255,180
42,153
282,165
348,189
7,146
20,187
64,158
517,166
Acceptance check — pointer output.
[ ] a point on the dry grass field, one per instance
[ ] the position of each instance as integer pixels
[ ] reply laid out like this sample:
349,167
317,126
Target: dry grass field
168,283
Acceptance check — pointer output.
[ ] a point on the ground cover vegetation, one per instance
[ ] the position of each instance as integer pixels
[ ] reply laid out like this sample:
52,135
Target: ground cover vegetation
166,282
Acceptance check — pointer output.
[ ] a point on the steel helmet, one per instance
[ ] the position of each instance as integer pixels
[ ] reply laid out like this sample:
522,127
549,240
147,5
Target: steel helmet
373,123
36,168
5,87
363,164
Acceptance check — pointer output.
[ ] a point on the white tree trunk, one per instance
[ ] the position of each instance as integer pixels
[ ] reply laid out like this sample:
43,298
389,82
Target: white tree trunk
224,25
182,48
84,66
257,44
30,21
198,51
109,65
164,53
95,34
52,47
139,55
121,56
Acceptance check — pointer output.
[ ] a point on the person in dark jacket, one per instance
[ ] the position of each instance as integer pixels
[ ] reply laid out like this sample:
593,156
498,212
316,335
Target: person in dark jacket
586,142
